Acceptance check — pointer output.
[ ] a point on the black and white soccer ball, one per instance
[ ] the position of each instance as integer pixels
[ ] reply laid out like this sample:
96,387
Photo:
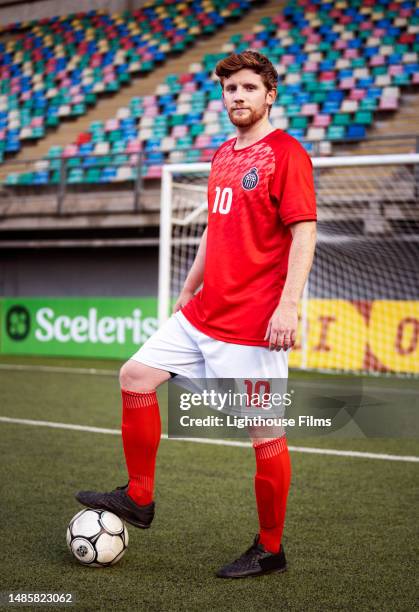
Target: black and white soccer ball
97,538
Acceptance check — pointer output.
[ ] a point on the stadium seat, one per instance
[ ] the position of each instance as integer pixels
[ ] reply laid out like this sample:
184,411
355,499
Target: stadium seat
124,173
316,133
321,120
356,131
363,118
336,132
75,175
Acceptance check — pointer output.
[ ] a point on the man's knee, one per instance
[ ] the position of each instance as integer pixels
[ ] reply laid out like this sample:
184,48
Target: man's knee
136,376
130,374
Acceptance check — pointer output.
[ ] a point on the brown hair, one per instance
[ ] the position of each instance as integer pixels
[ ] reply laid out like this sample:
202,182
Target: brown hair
252,60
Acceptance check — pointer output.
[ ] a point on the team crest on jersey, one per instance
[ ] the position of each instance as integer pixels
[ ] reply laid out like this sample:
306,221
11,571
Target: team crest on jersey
250,179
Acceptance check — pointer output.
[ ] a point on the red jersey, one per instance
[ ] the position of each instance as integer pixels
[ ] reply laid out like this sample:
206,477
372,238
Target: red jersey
254,194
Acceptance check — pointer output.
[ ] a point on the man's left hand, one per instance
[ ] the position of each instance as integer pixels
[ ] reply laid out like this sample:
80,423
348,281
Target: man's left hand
282,327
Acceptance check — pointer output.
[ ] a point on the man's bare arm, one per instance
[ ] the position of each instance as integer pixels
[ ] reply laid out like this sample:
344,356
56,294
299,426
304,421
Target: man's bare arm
281,331
195,276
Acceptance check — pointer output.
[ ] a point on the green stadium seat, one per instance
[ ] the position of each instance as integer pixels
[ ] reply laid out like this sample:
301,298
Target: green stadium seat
160,132
299,122
74,162
12,179
55,151
197,129
55,177
104,160
91,98
335,132
26,178
368,104
118,146
319,97
121,158
358,62
401,79
75,175
78,109
341,119
184,143
236,38
160,120
308,77
292,110
147,66
112,86
55,163
93,175
363,118
177,120
114,136
379,70
285,99
193,155
52,121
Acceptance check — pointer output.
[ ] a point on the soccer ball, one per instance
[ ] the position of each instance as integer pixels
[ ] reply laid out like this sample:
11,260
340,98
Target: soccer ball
97,538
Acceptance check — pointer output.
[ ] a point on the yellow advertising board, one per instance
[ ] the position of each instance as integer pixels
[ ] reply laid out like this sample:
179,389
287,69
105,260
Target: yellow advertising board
381,335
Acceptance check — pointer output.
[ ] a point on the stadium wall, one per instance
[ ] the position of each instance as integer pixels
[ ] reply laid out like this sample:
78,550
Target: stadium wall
111,272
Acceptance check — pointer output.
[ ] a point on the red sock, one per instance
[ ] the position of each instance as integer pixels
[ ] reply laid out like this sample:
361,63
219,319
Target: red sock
272,481
141,430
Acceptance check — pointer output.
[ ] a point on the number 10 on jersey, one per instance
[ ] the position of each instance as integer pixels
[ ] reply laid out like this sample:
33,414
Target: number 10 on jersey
223,204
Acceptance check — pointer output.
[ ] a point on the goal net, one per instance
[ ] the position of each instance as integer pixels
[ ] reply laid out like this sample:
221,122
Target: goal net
359,311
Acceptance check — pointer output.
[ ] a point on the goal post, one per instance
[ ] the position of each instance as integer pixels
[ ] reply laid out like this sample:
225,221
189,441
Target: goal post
183,202
360,308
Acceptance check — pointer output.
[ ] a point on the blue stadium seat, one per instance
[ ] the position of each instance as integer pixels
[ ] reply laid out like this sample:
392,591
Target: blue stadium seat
356,131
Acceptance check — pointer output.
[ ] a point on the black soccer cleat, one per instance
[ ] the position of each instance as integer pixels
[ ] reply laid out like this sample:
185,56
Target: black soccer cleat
256,561
119,502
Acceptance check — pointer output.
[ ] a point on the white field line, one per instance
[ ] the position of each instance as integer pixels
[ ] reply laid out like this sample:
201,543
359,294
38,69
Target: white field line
297,449
114,373
56,369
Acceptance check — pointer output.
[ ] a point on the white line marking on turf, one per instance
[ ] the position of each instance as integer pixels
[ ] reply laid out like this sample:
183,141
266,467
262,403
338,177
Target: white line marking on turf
56,369
113,432
296,449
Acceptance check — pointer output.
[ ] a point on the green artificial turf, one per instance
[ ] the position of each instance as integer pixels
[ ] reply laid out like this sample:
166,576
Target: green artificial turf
349,536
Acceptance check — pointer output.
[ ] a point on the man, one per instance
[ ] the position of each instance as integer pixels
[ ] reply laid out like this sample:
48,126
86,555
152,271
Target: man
253,260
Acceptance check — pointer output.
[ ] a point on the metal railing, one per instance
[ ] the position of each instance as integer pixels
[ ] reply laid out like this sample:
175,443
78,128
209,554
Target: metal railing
60,188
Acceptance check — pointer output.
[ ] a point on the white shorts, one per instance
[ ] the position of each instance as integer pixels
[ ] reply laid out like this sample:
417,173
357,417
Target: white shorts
180,348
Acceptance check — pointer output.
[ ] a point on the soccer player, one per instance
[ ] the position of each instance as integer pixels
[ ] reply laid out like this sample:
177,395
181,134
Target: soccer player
253,261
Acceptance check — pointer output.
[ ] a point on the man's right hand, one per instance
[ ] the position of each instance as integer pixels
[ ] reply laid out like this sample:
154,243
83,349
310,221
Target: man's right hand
185,296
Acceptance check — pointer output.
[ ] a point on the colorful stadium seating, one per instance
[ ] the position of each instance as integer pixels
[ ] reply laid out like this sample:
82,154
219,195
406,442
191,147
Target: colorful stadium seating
339,63
55,68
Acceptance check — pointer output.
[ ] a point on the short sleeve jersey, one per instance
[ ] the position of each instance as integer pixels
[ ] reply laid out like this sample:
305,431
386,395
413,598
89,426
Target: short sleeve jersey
254,195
